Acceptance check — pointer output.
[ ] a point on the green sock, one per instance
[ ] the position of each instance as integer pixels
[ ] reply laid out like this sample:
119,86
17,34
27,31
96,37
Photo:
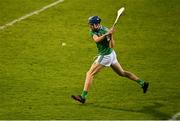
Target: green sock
140,82
84,94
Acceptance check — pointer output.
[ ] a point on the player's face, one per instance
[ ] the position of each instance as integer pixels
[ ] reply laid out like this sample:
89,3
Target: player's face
94,26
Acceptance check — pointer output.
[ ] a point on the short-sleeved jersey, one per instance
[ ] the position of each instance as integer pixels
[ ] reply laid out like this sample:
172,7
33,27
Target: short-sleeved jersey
103,46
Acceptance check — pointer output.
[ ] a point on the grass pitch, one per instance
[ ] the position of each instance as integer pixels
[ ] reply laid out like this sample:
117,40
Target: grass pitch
38,75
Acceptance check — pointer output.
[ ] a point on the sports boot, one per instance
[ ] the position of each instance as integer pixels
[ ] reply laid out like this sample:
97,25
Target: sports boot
79,98
145,87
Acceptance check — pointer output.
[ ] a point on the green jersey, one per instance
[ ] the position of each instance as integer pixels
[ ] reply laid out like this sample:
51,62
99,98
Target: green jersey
103,45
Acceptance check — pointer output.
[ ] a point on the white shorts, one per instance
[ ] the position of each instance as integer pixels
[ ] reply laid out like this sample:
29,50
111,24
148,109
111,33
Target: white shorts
107,60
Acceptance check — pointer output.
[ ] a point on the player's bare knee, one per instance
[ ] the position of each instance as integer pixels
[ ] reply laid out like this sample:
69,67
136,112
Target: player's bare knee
126,73
89,74
122,73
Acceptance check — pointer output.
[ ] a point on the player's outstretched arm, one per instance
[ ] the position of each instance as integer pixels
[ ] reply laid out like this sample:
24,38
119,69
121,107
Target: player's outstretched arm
100,38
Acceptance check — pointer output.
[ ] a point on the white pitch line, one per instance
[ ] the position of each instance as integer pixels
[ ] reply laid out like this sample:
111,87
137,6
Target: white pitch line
30,14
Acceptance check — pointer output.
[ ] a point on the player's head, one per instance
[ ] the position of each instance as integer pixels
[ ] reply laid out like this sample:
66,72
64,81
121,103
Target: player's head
94,22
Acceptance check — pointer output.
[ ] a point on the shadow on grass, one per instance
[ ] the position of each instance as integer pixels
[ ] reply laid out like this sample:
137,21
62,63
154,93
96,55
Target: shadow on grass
150,110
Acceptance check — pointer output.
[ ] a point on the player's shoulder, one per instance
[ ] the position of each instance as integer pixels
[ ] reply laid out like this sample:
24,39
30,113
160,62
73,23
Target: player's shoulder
91,32
104,28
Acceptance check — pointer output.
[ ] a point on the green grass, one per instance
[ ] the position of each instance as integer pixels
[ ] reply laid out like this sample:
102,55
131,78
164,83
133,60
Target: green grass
38,75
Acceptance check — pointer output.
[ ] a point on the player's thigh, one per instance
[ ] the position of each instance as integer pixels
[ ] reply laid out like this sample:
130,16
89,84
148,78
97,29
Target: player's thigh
118,68
95,67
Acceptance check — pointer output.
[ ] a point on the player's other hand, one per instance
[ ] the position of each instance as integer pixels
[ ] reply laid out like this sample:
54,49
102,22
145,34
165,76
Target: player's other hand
111,30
